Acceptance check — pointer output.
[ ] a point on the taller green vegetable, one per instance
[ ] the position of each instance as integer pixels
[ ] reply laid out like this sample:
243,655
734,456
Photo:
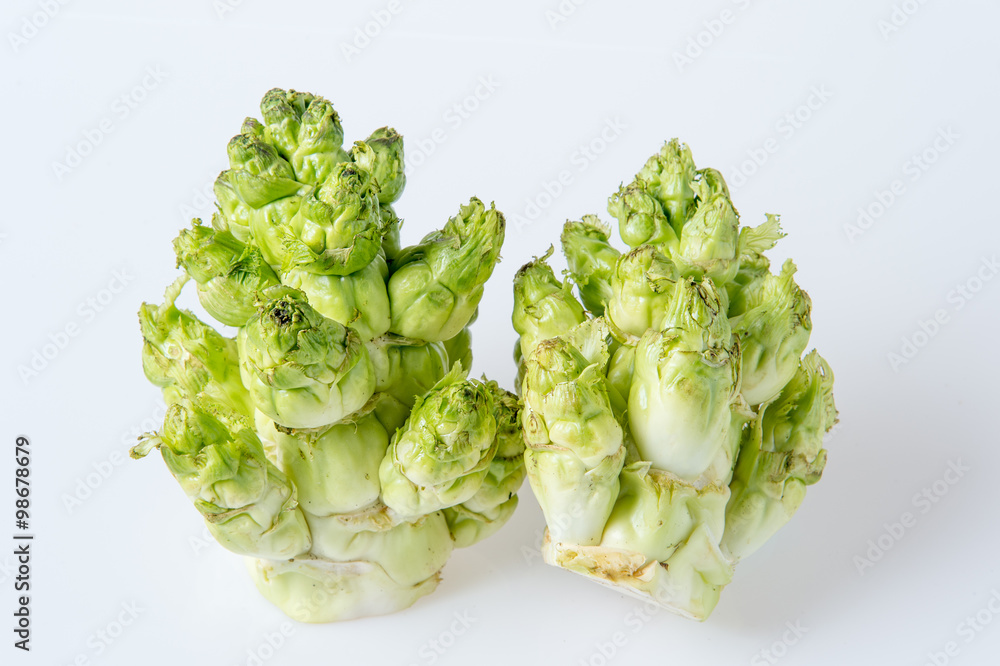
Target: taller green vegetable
335,440
671,421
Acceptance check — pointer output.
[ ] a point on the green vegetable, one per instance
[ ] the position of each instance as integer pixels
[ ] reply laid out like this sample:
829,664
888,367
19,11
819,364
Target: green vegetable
673,425
390,232
773,327
641,289
415,370
436,286
328,442
302,369
258,191
459,348
667,176
485,512
188,358
781,453
543,305
641,218
358,300
591,259
575,443
228,272
248,504
441,457
305,130
389,173
337,229
334,469
685,387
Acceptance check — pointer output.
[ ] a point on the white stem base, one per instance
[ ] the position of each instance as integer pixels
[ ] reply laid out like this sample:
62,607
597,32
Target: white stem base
313,590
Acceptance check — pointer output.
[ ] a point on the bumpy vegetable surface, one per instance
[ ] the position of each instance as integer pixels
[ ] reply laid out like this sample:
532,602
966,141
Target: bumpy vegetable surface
335,440
672,423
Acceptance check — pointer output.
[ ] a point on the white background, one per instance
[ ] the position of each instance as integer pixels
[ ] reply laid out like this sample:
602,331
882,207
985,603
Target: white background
886,96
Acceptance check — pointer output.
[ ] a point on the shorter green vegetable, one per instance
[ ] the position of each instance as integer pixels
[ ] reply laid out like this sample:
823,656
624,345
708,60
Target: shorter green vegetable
672,426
